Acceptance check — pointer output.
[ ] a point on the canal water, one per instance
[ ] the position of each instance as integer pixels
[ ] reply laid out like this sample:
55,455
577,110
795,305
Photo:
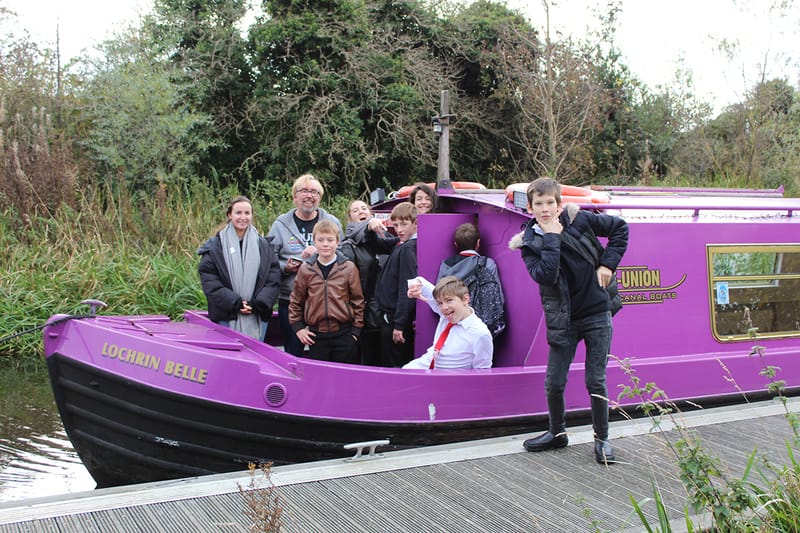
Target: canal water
36,458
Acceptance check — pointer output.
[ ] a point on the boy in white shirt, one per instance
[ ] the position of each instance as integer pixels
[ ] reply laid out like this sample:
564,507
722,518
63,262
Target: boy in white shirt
462,340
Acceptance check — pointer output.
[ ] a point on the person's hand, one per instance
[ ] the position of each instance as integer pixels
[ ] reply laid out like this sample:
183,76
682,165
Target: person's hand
604,275
293,265
306,336
551,226
397,336
308,251
377,226
246,309
415,289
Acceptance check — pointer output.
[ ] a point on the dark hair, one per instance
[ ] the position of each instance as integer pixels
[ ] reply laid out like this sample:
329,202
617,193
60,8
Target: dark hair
544,186
467,236
236,201
430,191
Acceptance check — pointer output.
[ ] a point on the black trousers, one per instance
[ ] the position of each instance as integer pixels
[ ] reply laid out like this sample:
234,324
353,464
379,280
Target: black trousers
337,347
392,354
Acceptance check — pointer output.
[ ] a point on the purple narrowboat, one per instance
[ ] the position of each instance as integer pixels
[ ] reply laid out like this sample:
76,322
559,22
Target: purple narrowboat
146,398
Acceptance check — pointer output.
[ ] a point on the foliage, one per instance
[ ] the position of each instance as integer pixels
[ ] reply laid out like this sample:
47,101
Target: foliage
756,141
262,501
202,44
556,98
345,89
38,171
734,503
140,129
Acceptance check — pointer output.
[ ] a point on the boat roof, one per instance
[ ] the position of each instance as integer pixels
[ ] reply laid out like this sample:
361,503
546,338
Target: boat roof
656,203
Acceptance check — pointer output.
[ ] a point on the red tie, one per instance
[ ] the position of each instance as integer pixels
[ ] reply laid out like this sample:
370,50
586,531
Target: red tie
440,342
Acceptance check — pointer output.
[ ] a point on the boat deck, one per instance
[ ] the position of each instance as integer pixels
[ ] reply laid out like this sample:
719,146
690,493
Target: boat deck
489,485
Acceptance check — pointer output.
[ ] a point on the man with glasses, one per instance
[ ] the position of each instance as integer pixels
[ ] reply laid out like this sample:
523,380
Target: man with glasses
291,235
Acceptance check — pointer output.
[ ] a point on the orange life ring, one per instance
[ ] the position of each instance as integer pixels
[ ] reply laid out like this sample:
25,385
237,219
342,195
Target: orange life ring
571,190
468,186
457,185
569,194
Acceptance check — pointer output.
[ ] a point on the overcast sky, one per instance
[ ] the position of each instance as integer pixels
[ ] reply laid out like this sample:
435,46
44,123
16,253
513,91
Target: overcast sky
655,36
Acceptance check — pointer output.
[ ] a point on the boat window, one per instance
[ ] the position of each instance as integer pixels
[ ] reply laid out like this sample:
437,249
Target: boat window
754,289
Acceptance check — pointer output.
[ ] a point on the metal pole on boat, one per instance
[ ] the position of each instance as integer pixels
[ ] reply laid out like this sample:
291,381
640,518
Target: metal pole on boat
441,125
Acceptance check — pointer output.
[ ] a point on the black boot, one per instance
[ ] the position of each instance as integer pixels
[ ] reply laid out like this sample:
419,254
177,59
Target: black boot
546,441
603,452
557,436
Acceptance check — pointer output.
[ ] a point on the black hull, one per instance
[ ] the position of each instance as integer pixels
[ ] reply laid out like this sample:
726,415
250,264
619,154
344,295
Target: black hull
126,433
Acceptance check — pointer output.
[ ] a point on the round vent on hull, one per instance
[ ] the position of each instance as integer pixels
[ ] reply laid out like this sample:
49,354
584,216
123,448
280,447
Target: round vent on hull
275,394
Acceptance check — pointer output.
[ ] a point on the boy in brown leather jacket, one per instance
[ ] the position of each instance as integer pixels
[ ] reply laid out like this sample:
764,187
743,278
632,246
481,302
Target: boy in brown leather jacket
326,306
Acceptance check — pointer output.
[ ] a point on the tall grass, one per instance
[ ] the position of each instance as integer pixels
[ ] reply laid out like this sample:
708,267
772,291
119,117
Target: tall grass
765,497
135,252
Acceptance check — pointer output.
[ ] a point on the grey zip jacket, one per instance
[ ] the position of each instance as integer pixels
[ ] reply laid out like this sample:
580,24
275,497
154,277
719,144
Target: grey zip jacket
288,242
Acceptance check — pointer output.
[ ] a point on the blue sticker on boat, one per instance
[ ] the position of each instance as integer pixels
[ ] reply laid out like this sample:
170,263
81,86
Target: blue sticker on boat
722,293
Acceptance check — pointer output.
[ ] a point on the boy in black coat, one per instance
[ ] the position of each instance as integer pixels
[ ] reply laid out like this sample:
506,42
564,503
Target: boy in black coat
575,274
398,310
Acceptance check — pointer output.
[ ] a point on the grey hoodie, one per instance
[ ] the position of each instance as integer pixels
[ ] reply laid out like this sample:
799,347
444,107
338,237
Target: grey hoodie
288,242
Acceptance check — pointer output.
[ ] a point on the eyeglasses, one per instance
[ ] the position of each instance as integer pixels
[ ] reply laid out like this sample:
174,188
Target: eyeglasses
308,192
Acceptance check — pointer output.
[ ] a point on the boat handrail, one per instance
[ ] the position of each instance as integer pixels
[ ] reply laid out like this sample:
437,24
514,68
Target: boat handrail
695,208
641,190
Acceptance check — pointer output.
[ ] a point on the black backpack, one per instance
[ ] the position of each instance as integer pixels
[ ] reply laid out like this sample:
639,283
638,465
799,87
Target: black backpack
486,297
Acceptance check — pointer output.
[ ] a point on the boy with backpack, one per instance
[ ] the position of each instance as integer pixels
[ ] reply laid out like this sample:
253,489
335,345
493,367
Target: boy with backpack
479,274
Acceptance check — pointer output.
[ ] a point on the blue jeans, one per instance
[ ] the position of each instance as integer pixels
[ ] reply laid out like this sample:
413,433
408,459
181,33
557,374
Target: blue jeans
595,331
291,343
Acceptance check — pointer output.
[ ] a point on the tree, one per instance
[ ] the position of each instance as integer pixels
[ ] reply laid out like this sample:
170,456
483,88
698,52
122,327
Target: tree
139,127
346,89
36,160
201,41
557,98
756,140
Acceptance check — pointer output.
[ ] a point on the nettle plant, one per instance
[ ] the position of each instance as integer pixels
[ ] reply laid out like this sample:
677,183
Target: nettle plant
771,502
